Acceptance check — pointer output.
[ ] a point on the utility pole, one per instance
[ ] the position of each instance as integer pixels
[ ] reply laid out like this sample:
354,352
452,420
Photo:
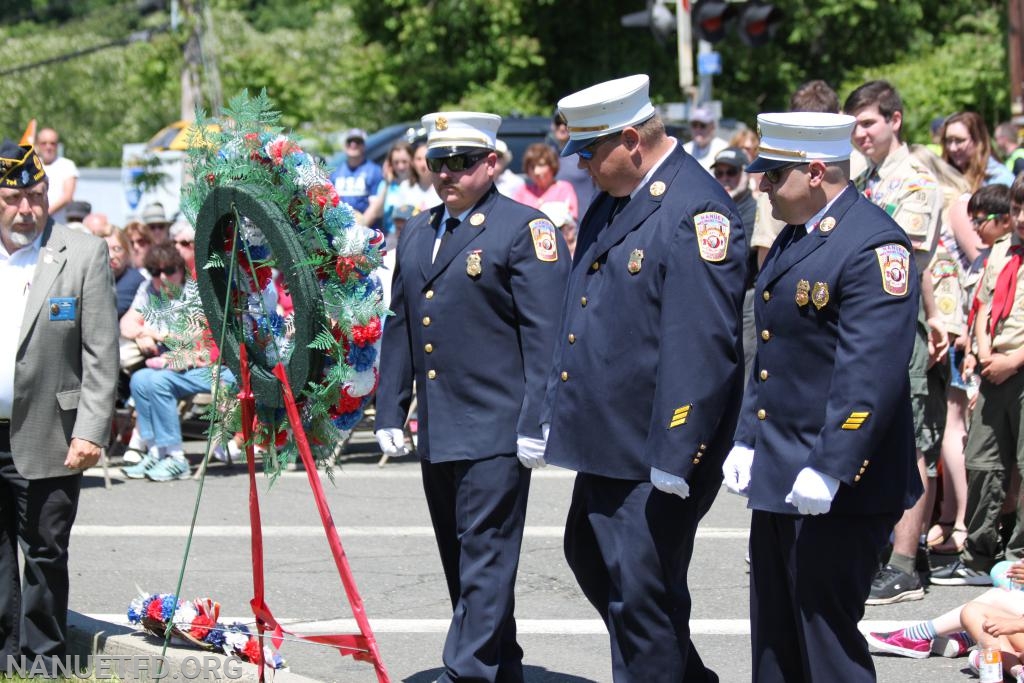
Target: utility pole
191,92
1016,56
684,41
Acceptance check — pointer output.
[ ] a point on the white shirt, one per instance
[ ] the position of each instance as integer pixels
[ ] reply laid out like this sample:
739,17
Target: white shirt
16,273
705,156
58,172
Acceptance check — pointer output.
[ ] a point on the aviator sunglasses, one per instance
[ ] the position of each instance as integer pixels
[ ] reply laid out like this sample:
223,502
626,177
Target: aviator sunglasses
459,162
774,175
587,153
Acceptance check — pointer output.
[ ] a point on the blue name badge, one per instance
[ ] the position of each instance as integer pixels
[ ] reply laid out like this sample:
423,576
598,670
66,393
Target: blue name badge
62,308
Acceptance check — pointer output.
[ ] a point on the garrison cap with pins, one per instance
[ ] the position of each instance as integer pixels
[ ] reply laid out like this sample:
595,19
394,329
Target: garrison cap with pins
19,165
605,108
450,133
801,137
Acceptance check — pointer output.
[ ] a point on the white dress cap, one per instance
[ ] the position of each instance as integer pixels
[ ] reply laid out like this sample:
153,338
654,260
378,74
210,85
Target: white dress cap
453,132
801,137
605,108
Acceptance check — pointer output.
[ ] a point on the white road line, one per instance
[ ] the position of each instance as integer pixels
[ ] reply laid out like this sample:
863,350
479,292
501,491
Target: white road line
698,627
242,531
356,472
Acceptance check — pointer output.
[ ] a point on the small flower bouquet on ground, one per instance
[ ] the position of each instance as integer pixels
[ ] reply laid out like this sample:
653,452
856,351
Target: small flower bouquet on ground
194,622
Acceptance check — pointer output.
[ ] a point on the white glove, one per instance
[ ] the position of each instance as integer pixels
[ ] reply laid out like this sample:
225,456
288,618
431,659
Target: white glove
813,492
736,469
391,441
669,483
530,451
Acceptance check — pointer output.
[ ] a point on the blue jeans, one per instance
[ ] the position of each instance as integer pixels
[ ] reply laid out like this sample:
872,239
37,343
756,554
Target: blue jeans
156,394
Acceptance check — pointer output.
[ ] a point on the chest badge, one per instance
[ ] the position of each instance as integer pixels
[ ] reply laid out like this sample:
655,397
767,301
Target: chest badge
636,261
820,295
657,188
477,219
473,263
827,224
803,292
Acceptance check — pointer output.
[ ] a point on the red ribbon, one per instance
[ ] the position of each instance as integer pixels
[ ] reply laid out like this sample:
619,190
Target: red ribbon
1006,290
362,646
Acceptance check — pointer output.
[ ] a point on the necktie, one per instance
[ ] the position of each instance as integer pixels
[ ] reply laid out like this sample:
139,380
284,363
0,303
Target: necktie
620,204
1005,290
449,228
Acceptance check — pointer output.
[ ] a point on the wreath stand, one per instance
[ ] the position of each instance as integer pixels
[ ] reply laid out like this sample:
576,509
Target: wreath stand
225,203
362,646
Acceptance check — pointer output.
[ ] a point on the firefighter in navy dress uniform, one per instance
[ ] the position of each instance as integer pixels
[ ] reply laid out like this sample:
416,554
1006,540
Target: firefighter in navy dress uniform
825,444
476,294
646,384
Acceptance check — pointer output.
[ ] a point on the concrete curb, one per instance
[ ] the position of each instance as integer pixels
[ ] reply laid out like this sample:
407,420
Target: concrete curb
107,641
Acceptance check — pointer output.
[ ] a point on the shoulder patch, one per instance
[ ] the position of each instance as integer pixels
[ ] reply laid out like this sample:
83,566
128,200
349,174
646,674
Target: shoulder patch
712,235
545,243
894,262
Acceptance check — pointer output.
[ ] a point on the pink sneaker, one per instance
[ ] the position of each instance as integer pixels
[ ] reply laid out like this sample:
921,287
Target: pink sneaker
898,644
953,645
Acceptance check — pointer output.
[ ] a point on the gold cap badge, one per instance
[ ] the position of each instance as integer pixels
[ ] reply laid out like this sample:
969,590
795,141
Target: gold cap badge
657,188
441,123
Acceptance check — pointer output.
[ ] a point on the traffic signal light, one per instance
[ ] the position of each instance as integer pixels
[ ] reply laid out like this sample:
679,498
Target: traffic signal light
758,22
656,17
711,19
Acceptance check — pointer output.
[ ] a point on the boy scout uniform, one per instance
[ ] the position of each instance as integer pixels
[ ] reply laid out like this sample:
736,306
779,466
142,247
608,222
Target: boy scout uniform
995,442
647,373
474,326
905,188
835,304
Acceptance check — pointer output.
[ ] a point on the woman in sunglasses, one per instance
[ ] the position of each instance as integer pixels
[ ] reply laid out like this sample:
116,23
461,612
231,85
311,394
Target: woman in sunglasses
166,379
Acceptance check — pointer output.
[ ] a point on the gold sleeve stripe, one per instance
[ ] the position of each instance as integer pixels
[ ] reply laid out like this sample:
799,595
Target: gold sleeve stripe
679,416
856,419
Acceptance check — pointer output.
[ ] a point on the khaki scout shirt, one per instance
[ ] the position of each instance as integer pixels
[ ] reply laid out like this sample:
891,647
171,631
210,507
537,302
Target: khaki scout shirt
948,287
1009,334
908,192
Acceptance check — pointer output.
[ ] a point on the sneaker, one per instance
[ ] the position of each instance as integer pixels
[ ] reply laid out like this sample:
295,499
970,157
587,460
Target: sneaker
974,661
953,645
132,456
956,573
892,585
898,644
141,468
168,469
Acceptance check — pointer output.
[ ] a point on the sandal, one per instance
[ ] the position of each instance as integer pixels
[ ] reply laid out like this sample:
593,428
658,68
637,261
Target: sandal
953,545
939,533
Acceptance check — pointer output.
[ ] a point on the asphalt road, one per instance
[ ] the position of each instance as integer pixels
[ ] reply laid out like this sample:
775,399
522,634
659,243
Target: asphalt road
133,537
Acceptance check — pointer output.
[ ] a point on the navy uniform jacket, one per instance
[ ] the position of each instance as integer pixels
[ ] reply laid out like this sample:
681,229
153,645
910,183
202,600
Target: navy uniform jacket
836,312
648,367
475,328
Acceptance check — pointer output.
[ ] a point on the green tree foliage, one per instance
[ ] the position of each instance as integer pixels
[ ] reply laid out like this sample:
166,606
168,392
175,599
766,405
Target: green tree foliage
329,65
941,55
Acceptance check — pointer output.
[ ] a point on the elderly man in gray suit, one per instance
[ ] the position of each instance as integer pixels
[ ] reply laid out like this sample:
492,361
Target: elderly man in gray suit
58,369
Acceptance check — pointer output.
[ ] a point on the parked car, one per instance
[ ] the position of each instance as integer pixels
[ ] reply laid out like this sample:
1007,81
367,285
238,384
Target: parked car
518,132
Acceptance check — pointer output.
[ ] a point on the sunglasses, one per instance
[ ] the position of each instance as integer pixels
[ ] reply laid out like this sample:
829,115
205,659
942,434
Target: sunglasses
459,162
166,270
184,243
726,172
587,153
774,175
978,221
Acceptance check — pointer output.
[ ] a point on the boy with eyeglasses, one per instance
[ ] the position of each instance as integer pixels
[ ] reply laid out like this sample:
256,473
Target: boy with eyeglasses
994,439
